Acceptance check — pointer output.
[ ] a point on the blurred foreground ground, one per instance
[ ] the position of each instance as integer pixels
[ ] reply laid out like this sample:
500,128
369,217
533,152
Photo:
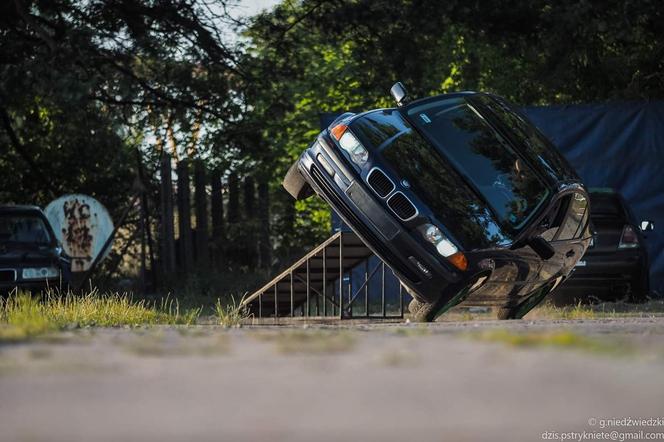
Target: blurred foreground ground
466,380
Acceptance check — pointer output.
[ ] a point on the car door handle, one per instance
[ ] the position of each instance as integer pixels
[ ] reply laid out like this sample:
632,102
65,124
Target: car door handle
570,253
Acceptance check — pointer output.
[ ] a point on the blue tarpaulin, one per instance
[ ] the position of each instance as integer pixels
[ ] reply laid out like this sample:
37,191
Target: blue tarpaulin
618,145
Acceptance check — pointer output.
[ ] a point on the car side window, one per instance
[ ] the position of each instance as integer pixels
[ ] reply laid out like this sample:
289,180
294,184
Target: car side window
576,218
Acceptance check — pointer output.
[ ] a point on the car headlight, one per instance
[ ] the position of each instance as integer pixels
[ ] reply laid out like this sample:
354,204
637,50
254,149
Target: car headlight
40,273
444,246
350,144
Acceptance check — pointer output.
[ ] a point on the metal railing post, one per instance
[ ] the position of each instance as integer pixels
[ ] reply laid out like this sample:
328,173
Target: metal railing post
324,281
276,306
382,290
341,276
366,287
291,294
260,305
308,283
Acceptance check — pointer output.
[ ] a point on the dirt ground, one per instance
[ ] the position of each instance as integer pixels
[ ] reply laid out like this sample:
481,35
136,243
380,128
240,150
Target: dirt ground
452,381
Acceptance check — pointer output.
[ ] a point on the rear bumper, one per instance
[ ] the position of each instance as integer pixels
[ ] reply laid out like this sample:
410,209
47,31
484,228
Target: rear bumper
607,278
379,230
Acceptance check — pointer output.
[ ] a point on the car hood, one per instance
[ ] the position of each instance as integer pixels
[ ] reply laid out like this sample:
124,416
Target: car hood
21,256
440,193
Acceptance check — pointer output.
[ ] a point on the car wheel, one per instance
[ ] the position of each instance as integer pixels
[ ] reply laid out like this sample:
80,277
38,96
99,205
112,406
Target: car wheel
532,300
414,306
296,185
505,313
429,311
424,311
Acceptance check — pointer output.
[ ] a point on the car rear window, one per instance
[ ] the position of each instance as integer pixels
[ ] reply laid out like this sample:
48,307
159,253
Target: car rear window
607,205
534,143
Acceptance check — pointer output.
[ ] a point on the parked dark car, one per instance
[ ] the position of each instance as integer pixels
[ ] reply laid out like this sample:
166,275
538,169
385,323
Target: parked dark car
615,266
459,194
30,257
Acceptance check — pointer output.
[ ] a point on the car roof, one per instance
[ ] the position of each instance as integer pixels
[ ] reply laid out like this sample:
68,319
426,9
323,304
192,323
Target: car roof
19,208
602,190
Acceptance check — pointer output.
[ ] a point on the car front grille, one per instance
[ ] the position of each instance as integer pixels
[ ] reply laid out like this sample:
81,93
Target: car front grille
361,229
402,206
7,275
380,183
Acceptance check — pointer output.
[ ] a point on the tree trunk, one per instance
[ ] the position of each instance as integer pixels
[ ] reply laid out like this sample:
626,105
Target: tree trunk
265,249
250,251
233,199
249,198
167,227
202,237
217,218
184,217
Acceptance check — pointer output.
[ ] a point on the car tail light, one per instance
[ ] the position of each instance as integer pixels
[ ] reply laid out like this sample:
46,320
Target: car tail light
628,239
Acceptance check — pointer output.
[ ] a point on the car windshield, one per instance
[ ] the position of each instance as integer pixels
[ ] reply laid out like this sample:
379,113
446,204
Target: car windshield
24,229
482,156
527,135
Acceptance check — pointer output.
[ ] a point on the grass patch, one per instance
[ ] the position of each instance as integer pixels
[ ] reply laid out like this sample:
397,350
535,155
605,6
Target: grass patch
310,341
231,314
605,310
557,339
23,316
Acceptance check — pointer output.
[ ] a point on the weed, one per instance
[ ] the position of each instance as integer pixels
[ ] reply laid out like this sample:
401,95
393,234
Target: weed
23,316
598,311
231,314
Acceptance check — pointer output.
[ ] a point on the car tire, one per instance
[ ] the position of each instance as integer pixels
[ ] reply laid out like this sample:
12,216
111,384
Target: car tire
532,300
428,311
506,313
424,311
414,306
296,185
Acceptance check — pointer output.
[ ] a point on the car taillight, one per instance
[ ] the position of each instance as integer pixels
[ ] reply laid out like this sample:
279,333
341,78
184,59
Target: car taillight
628,239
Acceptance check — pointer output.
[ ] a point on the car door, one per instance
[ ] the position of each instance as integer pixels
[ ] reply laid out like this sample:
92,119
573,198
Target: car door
566,238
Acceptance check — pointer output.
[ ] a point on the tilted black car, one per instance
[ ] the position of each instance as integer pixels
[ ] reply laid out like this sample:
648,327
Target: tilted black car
615,266
459,194
30,257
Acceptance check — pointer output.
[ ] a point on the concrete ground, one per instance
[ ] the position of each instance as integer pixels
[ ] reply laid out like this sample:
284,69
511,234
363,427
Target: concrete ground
453,381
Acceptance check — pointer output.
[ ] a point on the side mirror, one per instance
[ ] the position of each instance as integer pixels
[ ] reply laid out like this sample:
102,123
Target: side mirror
647,226
541,247
399,93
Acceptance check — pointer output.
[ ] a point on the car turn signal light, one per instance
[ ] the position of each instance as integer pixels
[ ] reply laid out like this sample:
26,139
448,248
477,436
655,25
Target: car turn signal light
459,261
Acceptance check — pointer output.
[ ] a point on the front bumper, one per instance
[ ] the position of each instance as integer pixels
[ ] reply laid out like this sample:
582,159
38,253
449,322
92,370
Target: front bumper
33,286
418,269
